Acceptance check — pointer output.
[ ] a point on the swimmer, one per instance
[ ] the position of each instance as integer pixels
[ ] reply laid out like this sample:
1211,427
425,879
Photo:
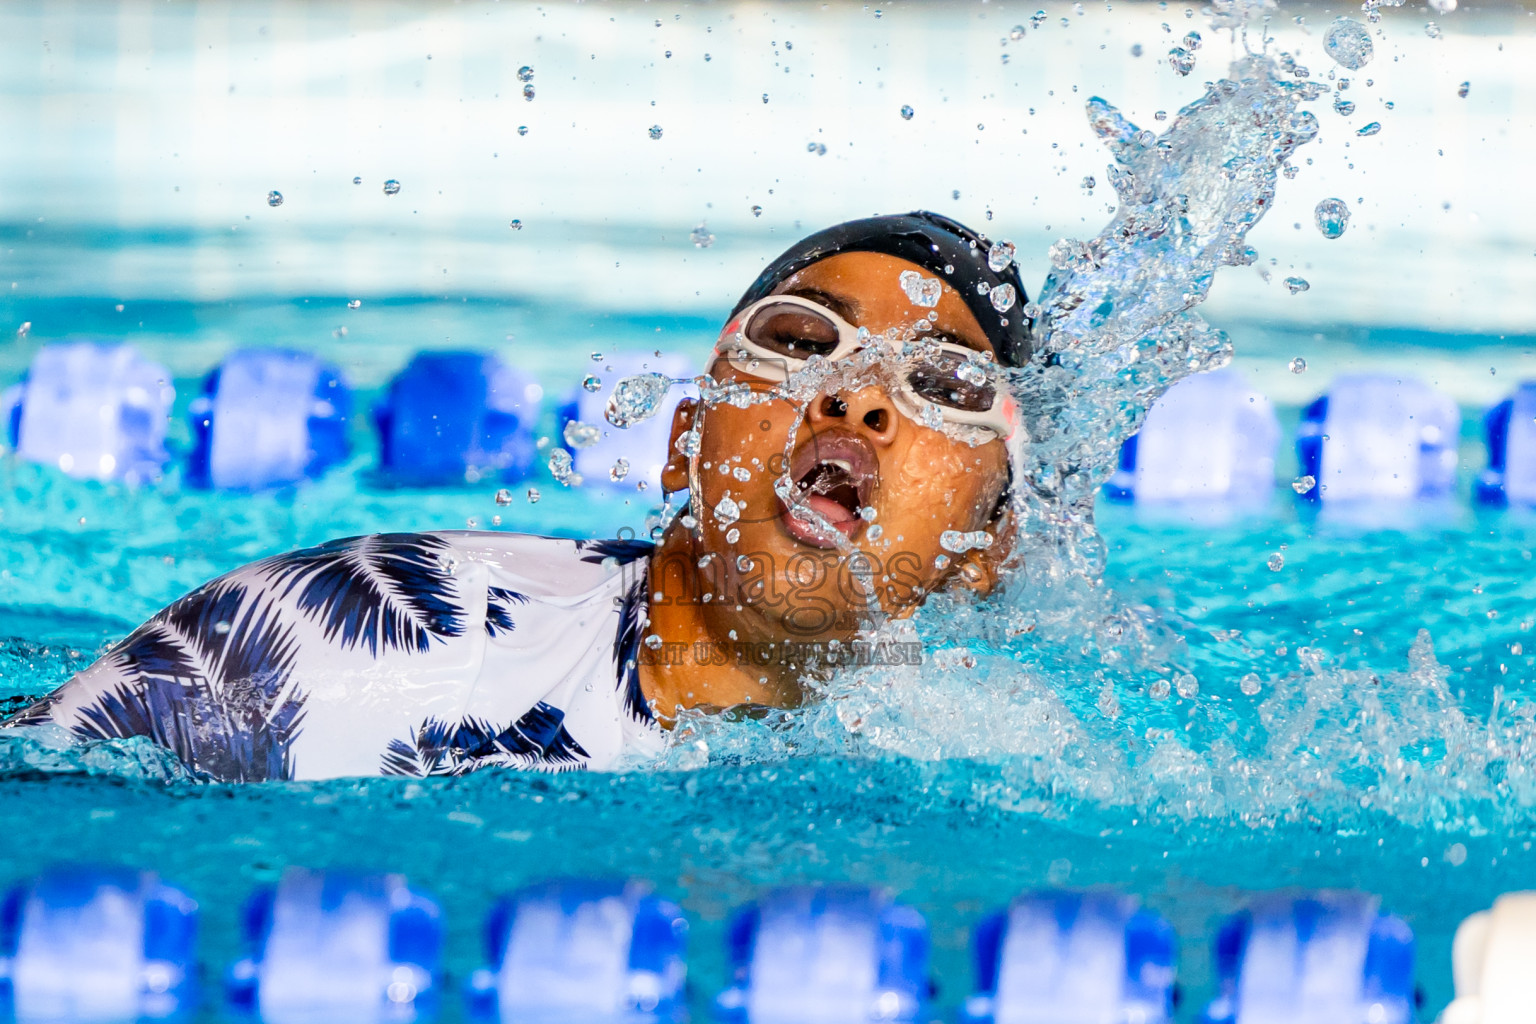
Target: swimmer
439,653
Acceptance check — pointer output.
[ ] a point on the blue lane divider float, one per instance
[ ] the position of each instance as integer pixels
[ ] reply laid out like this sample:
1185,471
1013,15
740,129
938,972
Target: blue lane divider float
267,418
82,944
583,952
1376,436
1053,958
643,446
828,955
1317,959
95,411
458,417
339,948
1210,438
1509,432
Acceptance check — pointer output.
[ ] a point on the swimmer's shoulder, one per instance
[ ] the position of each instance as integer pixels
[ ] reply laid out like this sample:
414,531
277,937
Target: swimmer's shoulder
552,566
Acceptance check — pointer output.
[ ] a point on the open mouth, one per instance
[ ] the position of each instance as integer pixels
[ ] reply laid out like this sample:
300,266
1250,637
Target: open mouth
834,476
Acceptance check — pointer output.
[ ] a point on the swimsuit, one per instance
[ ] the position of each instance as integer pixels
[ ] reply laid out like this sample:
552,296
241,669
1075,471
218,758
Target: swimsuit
397,654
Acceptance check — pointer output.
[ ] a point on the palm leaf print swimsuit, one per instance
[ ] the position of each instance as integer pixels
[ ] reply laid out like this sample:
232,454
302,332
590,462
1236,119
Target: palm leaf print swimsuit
400,654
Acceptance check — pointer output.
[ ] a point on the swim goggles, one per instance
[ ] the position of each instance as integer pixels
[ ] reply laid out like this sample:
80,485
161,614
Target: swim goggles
775,336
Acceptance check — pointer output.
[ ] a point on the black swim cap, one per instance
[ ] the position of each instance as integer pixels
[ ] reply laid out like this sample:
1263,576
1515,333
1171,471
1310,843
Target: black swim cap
953,252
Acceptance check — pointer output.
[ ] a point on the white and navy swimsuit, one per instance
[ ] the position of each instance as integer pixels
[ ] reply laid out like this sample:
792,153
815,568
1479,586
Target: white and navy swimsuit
399,653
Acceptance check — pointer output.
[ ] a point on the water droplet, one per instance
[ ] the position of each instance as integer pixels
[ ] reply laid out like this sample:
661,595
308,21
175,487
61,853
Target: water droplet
533,495
941,562
1343,107
1181,60
1370,129
1331,217
688,444
1037,19
522,129
765,97
24,330
391,187
620,469
1296,284
655,131
742,473
528,92
1442,6
274,198
1089,181
1192,41
503,497
999,256
1136,50
732,535
637,398
1187,686
354,304
525,73
1016,33
561,467
920,290
1276,562
743,563
816,147
581,435
959,542
727,511
357,180
1432,30
1003,297
1463,89
1303,484
972,372
591,382
757,211
653,641
1159,689
875,531
1298,365
907,112
701,237
1249,684
516,225
1349,43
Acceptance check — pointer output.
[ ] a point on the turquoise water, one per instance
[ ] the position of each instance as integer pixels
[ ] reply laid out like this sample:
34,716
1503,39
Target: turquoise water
1356,763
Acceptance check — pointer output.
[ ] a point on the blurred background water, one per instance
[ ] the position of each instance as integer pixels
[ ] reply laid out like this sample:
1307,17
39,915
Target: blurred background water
139,143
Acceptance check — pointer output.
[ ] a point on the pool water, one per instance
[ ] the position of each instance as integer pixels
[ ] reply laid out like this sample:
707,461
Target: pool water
1348,767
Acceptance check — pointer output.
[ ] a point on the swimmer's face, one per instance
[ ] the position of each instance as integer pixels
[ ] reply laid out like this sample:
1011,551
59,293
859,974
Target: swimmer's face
783,578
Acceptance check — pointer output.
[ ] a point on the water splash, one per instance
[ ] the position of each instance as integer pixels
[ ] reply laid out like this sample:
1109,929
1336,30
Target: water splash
1076,697
637,398
1349,43
53,750
1115,320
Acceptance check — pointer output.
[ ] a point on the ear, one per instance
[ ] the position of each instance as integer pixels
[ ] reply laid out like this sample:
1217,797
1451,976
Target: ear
981,568
674,473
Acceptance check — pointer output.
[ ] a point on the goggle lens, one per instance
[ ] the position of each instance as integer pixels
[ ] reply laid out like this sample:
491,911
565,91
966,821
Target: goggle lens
792,331
940,378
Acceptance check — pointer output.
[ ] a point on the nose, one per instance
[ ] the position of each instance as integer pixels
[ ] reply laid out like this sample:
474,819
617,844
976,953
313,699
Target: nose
869,409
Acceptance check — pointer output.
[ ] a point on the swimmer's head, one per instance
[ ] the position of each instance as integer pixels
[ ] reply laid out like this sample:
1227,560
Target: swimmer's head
945,249
884,469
